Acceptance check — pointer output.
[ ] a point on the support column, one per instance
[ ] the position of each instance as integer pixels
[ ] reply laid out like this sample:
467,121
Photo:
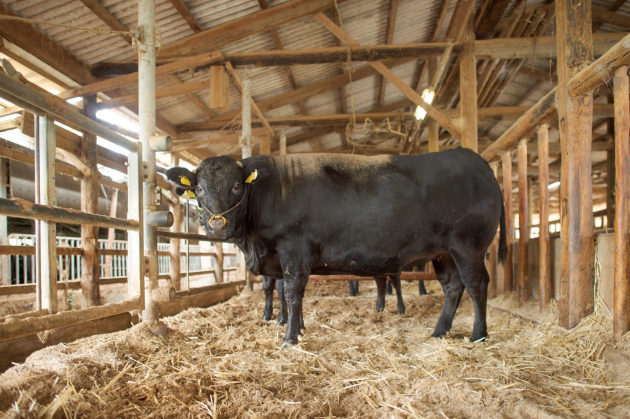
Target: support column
283,144
111,234
621,306
610,175
492,261
146,105
575,116
468,86
47,230
506,159
246,139
5,262
434,127
544,273
523,224
176,254
90,266
218,268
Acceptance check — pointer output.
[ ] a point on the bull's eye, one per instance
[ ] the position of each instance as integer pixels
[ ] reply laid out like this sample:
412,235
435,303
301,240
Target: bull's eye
198,190
237,187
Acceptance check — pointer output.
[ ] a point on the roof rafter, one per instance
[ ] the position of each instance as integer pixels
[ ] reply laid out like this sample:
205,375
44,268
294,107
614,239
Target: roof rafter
182,9
389,38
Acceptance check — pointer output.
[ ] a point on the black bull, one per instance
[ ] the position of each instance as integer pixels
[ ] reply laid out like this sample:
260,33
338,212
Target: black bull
297,215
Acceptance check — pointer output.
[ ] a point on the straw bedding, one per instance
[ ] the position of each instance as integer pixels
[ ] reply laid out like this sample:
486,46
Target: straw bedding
224,362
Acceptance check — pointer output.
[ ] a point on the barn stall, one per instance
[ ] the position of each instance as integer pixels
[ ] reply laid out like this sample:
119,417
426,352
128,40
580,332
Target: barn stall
99,98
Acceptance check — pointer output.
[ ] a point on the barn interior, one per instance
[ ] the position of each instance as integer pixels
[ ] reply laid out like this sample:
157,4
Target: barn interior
99,98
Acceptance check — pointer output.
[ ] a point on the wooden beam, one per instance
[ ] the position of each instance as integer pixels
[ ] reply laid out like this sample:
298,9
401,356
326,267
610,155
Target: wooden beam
523,225
468,92
544,266
595,74
109,19
389,38
237,29
393,78
488,19
42,47
342,89
492,250
616,6
192,97
507,286
621,295
459,20
182,9
610,18
22,61
575,114
176,90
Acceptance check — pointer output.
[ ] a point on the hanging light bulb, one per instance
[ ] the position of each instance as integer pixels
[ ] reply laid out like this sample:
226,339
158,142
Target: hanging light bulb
427,96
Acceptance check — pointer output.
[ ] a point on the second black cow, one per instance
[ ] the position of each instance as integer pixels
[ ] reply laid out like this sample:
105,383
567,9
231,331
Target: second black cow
298,215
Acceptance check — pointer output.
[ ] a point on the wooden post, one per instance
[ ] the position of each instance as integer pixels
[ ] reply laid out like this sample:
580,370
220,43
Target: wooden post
544,275
219,89
218,268
5,262
506,158
434,127
90,267
523,225
246,139
176,255
265,144
575,116
621,307
283,144
468,86
610,175
492,261
111,234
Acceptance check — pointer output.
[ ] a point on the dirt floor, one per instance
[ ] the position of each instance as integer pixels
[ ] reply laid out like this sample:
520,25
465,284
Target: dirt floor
224,362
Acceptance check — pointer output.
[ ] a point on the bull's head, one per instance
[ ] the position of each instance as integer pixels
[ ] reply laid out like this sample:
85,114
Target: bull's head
219,186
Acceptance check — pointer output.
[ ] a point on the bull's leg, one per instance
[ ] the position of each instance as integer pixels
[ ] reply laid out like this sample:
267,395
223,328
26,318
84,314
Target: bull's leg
354,288
282,312
295,279
301,311
381,284
395,281
447,274
388,288
422,289
268,286
475,278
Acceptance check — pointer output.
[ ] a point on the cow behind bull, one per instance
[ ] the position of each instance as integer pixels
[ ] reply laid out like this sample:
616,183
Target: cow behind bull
293,216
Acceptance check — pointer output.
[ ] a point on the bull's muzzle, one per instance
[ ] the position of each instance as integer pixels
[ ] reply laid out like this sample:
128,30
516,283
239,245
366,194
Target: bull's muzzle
215,220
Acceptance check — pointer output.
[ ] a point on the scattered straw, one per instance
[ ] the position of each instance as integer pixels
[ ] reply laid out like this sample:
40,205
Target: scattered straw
224,362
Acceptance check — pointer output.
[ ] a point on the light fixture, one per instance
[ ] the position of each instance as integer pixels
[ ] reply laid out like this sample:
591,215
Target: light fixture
427,96
553,185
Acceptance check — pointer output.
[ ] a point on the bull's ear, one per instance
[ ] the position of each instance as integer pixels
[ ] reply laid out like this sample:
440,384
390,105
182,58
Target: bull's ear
254,172
184,179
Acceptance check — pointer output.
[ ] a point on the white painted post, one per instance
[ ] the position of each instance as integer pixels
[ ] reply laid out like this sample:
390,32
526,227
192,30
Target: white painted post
5,262
246,139
283,144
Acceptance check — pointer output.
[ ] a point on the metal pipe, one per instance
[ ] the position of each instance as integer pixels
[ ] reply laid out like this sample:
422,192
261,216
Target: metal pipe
184,236
246,139
23,209
46,103
146,43
187,247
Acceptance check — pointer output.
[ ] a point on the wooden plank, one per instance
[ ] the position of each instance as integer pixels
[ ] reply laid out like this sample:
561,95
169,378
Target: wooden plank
182,9
5,263
621,297
468,91
30,250
90,262
394,79
459,20
488,20
575,115
523,224
265,144
507,286
192,97
389,38
544,240
178,89
21,60
29,38
601,70
219,89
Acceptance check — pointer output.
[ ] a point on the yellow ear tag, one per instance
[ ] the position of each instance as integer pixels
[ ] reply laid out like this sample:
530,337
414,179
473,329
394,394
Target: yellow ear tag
184,181
191,194
252,176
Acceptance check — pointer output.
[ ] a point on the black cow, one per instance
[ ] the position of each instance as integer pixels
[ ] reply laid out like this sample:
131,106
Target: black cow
297,215
269,284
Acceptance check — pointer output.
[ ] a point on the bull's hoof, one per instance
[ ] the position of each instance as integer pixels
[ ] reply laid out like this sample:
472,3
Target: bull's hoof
281,321
401,310
475,339
288,344
438,334
266,318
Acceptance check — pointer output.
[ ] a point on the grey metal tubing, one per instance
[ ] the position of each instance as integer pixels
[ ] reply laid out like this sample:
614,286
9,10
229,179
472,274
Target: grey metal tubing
41,103
24,209
184,236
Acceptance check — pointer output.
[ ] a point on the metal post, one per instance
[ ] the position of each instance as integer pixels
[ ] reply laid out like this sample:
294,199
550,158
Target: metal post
246,140
187,246
46,144
283,144
147,42
5,265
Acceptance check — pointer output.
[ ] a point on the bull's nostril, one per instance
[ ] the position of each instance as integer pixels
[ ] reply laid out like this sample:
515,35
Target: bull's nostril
217,224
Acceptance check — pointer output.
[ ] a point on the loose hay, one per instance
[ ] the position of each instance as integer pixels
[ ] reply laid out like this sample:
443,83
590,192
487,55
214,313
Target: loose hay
224,362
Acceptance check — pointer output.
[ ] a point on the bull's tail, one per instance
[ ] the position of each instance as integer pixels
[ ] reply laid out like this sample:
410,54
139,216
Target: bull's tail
503,249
